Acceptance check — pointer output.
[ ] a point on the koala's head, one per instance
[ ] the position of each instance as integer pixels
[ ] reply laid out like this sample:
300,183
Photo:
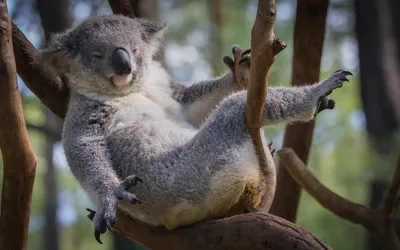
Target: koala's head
106,55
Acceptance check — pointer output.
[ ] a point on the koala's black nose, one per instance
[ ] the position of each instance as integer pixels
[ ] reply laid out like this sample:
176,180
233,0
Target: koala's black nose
121,62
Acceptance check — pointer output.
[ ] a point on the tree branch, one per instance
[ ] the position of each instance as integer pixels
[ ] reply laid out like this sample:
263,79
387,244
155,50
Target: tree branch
308,41
392,192
340,206
19,168
264,47
51,91
254,230
378,221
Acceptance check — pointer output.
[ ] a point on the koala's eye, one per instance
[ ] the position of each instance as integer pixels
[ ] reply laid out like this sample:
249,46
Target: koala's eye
98,55
134,50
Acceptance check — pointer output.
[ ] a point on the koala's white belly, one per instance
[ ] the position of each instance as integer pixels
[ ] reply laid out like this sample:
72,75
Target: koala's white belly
166,129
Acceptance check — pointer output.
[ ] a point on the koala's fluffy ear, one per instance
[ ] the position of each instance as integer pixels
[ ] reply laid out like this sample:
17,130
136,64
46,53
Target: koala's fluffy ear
54,53
153,33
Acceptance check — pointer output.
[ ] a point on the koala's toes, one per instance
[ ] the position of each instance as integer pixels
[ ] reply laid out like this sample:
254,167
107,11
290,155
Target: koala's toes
341,75
324,104
126,196
235,49
246,59
131,181
228,61
247,51
99,226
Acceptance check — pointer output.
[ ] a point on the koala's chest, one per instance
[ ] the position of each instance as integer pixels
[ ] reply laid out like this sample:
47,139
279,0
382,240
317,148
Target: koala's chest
139,108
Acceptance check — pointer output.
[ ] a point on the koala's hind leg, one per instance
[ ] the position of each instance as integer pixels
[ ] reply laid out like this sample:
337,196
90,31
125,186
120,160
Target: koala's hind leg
291,104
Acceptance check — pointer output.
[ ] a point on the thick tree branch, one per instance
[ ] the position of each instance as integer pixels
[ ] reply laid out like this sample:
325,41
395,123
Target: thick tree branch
378,221
309,34
50,89
264,47
18,168
255,231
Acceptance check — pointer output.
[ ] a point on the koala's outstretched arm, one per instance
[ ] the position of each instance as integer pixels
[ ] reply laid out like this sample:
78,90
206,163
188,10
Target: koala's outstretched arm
86,152
289,104
201,98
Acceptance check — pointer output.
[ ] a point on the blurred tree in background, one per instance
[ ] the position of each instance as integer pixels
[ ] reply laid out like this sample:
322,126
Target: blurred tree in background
354,146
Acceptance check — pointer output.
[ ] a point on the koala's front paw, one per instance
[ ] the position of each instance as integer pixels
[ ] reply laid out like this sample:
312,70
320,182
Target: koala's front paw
107,208
240,66
336,79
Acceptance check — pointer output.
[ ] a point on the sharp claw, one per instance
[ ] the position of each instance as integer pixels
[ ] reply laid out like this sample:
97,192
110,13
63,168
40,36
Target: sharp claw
109,224
270,144
247,51
97,236
344,79
136,201
244,59
235,48
227,60
91,213
348,73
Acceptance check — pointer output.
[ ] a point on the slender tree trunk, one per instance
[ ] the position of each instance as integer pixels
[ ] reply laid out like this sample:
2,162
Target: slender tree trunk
216,22
380,109
55,17
309,35
19,162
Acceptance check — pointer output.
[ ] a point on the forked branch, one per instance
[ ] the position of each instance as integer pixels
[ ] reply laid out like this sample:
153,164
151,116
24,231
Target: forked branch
378,221
264,47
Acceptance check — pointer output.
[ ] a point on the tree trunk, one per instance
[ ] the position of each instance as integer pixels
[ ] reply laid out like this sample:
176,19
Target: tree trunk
19,162
309,35
55,17
380,110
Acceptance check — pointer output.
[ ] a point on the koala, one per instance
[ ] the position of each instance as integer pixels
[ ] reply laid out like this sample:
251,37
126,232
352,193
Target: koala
166,154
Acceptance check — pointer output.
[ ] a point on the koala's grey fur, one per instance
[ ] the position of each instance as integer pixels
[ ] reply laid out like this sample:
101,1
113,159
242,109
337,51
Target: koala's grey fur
189,145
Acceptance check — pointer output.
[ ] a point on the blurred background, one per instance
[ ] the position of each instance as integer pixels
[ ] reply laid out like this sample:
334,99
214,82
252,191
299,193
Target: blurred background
354,148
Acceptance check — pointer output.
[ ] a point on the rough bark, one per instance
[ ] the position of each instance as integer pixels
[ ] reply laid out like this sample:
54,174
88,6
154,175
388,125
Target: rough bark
264,47
50,89
19,162
309,34
249,231
378,221
255,230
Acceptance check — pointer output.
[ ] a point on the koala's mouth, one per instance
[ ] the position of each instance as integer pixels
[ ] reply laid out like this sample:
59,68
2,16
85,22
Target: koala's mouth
121,82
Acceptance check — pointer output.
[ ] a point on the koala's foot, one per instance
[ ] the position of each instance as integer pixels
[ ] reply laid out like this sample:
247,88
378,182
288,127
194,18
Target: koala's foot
240,66
334,81
107,208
